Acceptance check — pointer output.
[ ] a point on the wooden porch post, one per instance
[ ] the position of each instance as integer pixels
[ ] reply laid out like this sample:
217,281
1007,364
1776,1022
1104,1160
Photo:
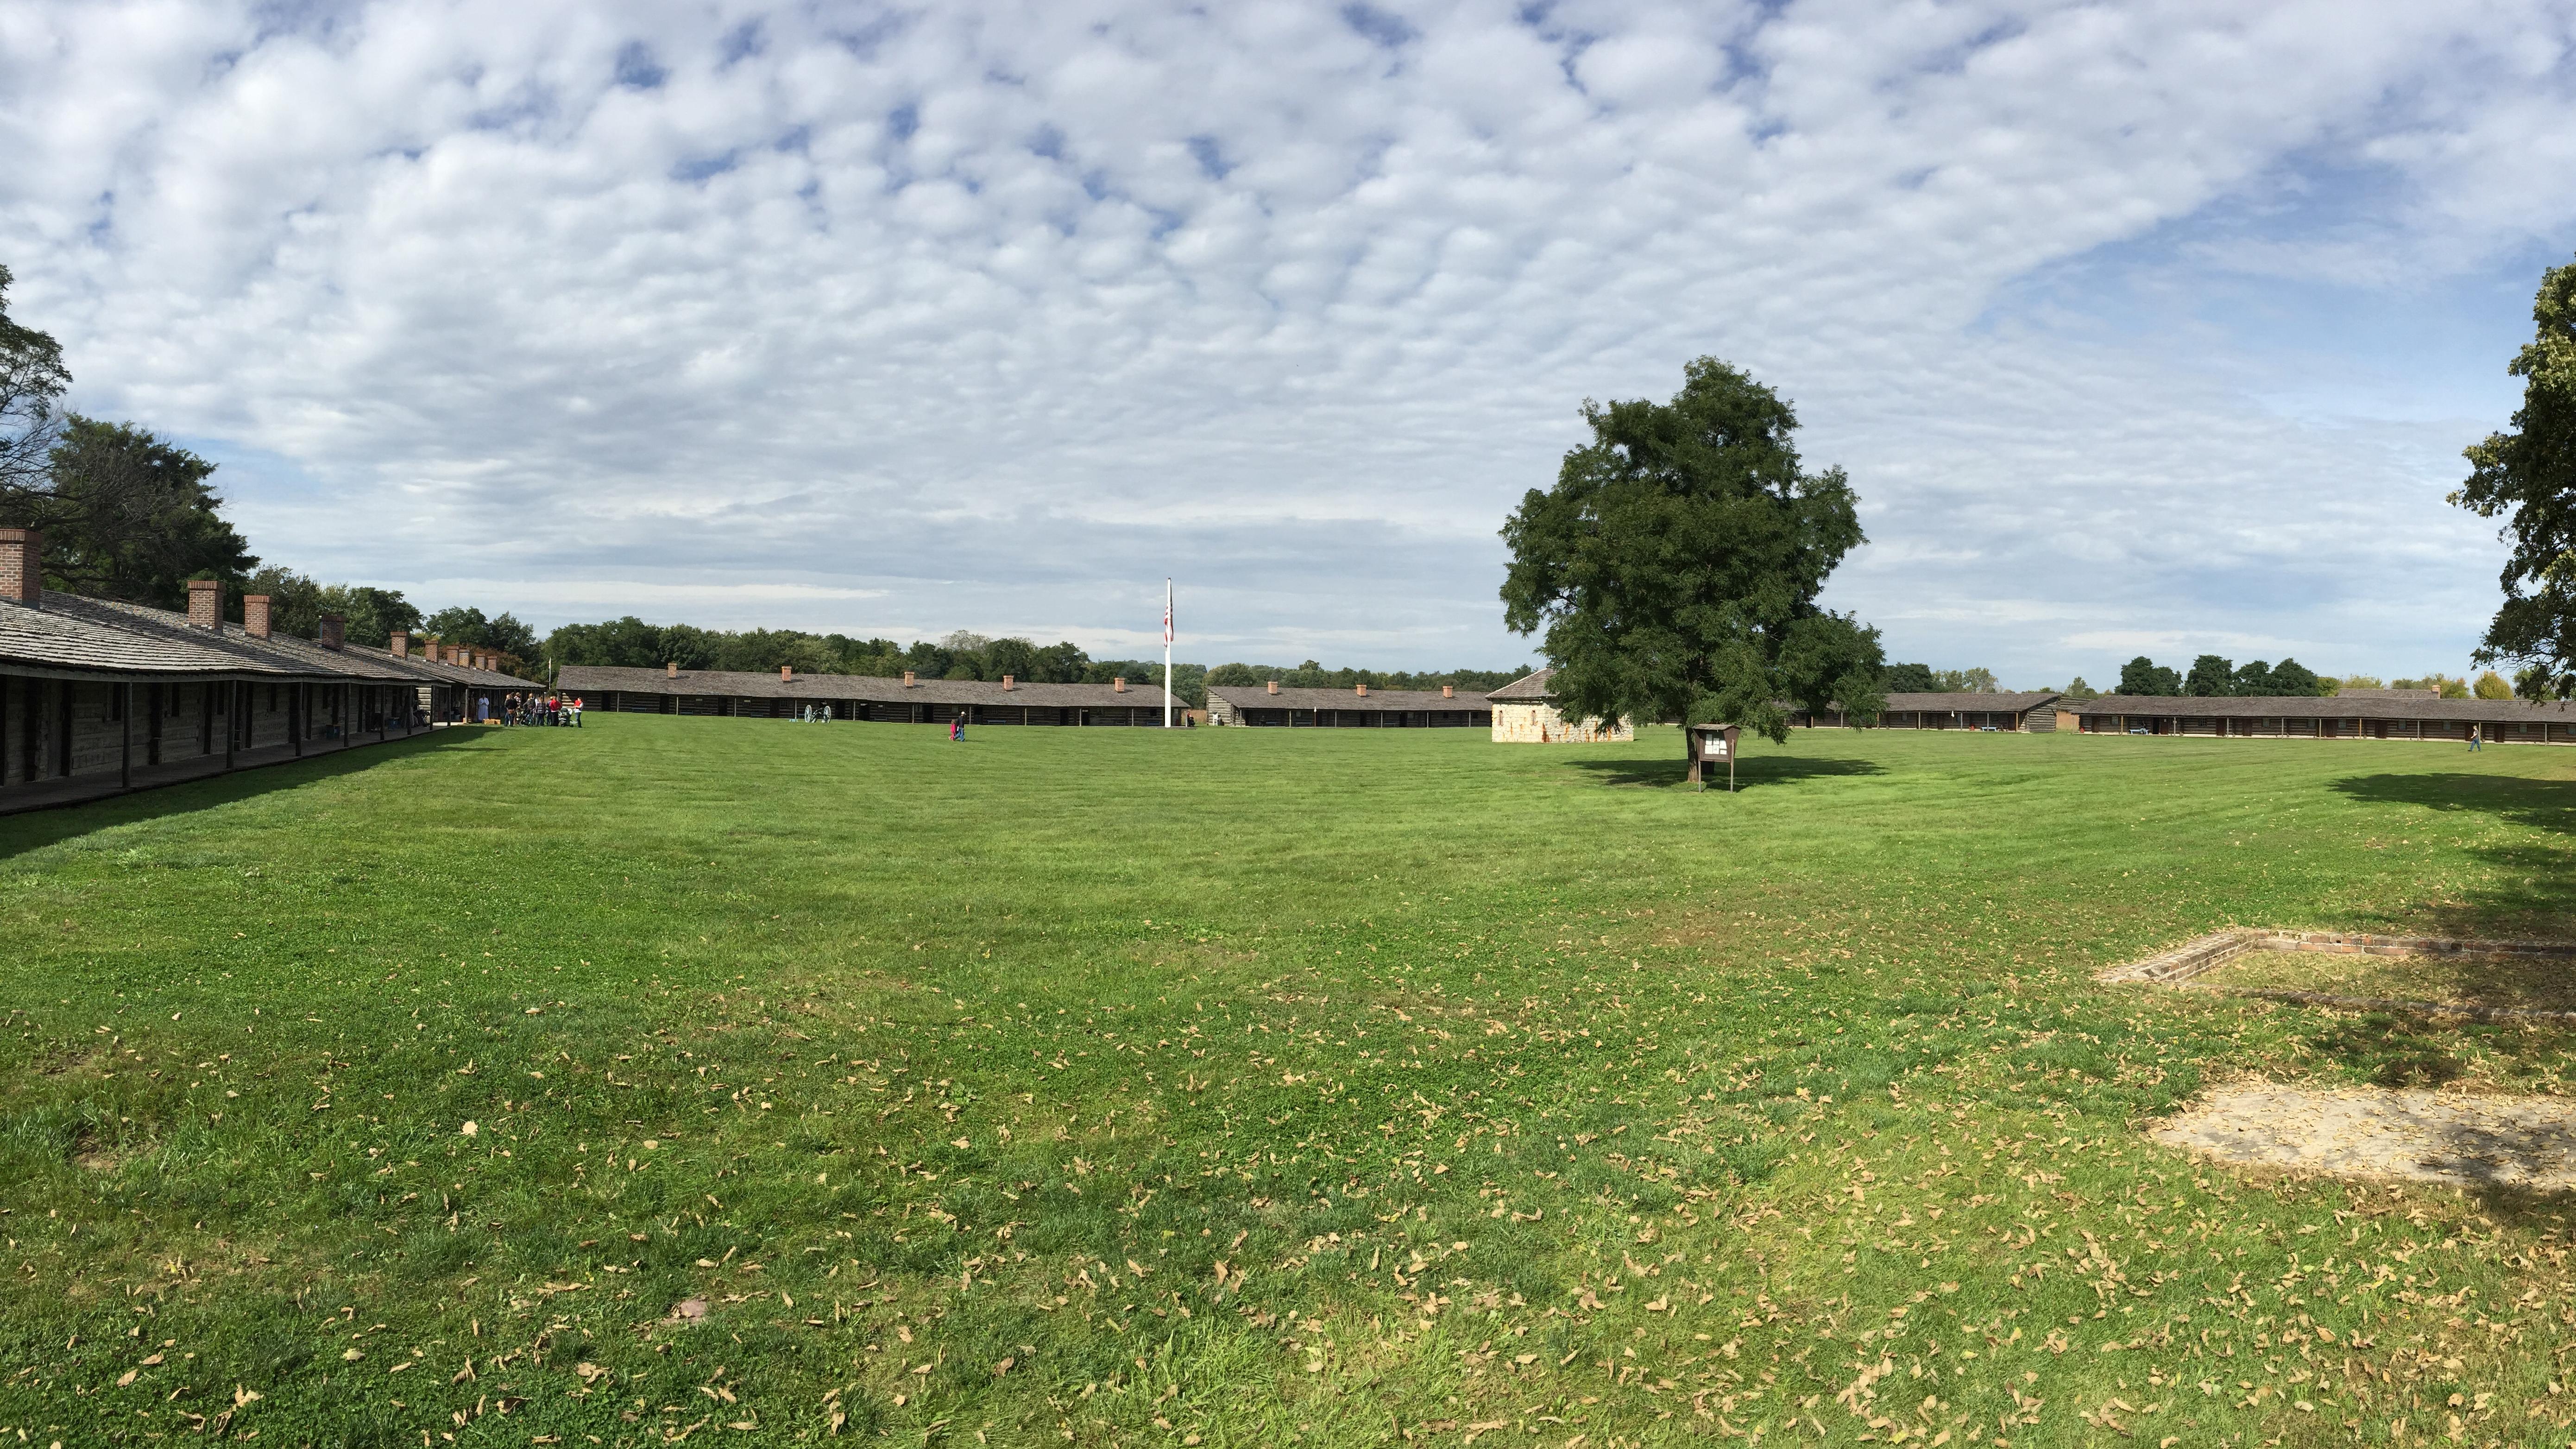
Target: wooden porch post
125,749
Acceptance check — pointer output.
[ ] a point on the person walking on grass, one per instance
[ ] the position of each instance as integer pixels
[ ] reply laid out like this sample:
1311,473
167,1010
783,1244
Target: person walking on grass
2473,739
957,727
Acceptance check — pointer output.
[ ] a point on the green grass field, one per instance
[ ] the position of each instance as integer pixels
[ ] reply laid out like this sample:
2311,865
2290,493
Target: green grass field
1245,1088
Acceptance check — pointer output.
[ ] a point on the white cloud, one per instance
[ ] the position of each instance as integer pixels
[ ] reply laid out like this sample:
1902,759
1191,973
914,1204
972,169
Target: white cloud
980,314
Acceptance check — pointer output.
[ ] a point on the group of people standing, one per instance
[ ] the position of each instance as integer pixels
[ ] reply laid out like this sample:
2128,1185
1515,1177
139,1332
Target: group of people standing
532,708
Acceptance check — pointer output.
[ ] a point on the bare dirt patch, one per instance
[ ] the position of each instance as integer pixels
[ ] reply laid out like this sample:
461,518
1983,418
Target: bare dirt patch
2375,1133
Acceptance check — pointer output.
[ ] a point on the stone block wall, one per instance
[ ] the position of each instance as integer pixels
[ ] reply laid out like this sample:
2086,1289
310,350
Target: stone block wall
1524,723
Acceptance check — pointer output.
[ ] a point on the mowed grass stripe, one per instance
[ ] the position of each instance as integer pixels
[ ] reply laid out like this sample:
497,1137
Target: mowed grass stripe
966,1066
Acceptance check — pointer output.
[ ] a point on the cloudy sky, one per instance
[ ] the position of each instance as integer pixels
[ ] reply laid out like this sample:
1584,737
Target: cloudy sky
2139,327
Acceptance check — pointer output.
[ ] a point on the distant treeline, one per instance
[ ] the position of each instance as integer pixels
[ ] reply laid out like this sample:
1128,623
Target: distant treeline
631,643
2211,676
1924,679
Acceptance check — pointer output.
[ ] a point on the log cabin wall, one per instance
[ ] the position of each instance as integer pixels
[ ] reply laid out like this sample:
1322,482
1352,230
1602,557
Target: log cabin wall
2370,717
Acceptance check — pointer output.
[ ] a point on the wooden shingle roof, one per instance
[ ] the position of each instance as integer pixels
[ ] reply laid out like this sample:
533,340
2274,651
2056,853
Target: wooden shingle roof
1969,703
71,634
76,639
2303,706
1396,701
587,679
282,655
1530,688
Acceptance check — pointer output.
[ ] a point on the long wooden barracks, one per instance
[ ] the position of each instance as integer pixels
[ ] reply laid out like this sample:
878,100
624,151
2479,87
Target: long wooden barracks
1359,707
788,695
99,697
2389,714
2372,714
2020,713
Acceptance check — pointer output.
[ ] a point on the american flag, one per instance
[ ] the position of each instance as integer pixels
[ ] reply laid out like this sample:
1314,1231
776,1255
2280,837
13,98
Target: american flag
1167,614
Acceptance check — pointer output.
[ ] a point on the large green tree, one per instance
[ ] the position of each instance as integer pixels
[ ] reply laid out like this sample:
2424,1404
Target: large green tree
1675,565
2529,475
1909,679
125,514
129,516
501,633
2291,677
296,604
2210,676
2144,676
32,381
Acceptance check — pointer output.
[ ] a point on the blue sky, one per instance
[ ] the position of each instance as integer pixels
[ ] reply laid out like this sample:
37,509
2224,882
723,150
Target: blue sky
2138,327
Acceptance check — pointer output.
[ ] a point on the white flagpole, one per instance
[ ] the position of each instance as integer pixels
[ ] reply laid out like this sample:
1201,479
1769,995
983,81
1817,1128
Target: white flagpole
1167,653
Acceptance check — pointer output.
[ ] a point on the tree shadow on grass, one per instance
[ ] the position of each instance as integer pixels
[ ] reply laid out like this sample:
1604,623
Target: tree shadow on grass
1749,774
36,829
2539,804
2531,886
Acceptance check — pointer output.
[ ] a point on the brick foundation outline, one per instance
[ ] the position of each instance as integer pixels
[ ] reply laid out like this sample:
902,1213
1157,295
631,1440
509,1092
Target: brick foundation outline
2207,953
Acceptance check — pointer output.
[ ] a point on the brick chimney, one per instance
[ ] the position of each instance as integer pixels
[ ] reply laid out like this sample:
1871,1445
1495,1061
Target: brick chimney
671,670
786,672
400,644
206,604
335,631
1118,684
1363,691
1009,683
1448,691
907,679
255,615
1274,686
22,565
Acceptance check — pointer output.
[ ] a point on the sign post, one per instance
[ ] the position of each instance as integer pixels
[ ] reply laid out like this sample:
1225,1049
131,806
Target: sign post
1710,743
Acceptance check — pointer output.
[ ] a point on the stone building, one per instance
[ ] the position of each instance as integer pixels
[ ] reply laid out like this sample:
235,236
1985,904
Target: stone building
1525,713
